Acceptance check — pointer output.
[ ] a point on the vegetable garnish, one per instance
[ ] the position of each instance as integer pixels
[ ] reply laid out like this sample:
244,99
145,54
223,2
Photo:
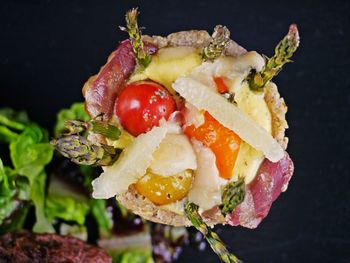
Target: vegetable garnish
132,28
232,195
74,145
24,181
105,129
82,151
220,40
213,239
283,52
75,112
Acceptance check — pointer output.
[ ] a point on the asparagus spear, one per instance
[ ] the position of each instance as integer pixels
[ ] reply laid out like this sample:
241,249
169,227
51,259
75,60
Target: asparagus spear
220,40
232,195
212,238
283,52
132,28
75,127
99,127
82,151
105,129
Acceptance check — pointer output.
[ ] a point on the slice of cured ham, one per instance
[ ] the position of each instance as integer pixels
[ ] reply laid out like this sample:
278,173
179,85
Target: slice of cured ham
101,90
271,180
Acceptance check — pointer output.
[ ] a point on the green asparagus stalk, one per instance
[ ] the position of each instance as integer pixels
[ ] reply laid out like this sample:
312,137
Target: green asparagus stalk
283,52
105,129
99,127
132,28
212,238
220,40
232,195
82,151
75,127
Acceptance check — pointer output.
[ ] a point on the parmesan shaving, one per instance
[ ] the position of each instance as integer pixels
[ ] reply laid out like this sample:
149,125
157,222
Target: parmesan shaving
131,165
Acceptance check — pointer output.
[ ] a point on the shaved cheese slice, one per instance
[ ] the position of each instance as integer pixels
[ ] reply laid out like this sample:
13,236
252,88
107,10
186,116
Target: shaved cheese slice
174,155
131,165
229,115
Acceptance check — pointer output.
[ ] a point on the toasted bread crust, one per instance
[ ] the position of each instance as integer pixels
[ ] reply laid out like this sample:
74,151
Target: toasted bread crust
140,205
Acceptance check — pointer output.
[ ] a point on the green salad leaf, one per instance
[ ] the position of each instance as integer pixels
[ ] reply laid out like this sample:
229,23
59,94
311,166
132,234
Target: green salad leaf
66,208
14,191
11,120
30,152
7,206
133,256
37,194
100,213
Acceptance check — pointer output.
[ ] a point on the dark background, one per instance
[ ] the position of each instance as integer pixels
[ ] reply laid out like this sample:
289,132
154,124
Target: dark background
48,49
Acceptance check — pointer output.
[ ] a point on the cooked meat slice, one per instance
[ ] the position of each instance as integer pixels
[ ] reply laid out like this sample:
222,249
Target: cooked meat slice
24,246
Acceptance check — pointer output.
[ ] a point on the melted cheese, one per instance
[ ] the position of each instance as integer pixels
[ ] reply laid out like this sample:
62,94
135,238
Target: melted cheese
170,63
249,159
206,188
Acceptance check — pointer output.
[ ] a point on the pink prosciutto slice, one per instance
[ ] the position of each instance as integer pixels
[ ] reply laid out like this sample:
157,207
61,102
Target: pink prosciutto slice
101,90
271,180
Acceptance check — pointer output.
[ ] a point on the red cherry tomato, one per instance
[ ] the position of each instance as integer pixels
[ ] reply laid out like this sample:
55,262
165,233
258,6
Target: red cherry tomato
141,105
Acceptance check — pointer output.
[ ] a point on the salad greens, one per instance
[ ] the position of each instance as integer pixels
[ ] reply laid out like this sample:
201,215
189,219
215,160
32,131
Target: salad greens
24,179
134,256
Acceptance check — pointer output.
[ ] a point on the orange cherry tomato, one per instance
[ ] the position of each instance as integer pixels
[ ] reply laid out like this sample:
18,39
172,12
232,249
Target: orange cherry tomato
220,85
222,141
162,190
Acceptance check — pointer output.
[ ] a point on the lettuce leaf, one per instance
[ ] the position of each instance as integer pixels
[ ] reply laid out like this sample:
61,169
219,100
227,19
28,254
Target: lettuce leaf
37,194
13,119
133,256
30,152
101,215
13,192
6,195
66,208
75,112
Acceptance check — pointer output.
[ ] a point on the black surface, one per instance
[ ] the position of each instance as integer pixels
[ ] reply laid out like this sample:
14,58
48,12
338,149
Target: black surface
48,49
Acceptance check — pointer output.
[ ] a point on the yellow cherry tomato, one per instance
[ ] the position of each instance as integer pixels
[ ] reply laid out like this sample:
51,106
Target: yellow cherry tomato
163,190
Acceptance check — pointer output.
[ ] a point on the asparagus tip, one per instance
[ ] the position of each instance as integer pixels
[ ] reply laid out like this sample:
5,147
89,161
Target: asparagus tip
293,35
